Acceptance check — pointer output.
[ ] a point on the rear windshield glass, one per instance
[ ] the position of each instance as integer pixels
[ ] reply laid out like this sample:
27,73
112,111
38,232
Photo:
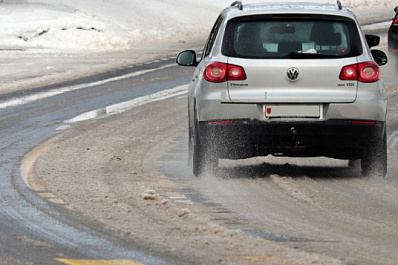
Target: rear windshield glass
291,38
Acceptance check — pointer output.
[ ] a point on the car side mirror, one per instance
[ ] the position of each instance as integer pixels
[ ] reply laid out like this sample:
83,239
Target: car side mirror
372,40
379,56
396,9
187,58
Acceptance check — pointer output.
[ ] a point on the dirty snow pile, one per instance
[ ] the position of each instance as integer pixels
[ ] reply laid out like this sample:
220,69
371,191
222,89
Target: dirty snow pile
98,25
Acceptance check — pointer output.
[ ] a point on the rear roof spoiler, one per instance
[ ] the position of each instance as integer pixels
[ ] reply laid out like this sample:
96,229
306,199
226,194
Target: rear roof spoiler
239,5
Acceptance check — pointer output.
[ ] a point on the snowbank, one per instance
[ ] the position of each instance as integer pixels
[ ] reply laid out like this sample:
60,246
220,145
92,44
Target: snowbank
43,42
97,25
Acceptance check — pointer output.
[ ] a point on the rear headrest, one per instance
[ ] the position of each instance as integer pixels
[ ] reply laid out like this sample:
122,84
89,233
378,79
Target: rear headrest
323,34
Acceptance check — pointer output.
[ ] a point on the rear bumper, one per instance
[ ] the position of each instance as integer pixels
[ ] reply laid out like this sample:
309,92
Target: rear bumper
340,139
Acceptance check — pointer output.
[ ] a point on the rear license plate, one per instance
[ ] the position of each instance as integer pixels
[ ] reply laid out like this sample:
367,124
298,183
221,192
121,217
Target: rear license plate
292,111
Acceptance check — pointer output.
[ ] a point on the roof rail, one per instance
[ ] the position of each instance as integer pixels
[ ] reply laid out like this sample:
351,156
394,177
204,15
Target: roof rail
338,5
238,4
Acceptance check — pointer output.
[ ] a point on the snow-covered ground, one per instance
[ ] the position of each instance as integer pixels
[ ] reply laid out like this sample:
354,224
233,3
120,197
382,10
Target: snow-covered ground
98,25
71,33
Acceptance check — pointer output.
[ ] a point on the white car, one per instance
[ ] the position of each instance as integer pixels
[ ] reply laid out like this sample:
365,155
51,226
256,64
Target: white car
287,79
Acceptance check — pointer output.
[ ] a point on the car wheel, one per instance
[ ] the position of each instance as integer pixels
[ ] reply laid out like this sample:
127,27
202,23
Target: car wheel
190,146
198,156
374,161
204,156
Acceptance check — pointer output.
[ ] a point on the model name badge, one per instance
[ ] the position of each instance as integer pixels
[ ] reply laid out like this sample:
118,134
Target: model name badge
233,84
346,84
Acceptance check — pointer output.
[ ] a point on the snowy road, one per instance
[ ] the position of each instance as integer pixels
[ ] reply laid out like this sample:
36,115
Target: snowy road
317,205
134,180
32,231
99,192
119,189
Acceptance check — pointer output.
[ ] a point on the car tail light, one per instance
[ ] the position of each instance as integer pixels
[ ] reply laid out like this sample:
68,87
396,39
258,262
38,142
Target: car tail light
395,21
236,73
349,72
367,72
221,72
216,72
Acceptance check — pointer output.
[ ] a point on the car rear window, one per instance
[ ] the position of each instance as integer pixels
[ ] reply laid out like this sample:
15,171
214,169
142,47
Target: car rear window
302,38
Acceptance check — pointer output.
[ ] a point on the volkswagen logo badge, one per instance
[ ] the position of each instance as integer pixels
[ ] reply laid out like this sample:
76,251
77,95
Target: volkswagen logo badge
292,74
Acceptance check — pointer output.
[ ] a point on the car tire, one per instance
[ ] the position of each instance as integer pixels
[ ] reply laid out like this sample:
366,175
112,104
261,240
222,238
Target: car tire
190,146
374,160
197,154
204,157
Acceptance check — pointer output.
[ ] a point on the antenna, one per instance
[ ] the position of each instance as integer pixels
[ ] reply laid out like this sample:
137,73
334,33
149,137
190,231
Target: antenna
238,4
338,4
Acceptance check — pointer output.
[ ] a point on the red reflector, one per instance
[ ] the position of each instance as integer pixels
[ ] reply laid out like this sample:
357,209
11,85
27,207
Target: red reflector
364,122
221,122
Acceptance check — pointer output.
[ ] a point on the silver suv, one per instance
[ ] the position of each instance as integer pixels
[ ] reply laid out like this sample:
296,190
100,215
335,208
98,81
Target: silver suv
287,79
